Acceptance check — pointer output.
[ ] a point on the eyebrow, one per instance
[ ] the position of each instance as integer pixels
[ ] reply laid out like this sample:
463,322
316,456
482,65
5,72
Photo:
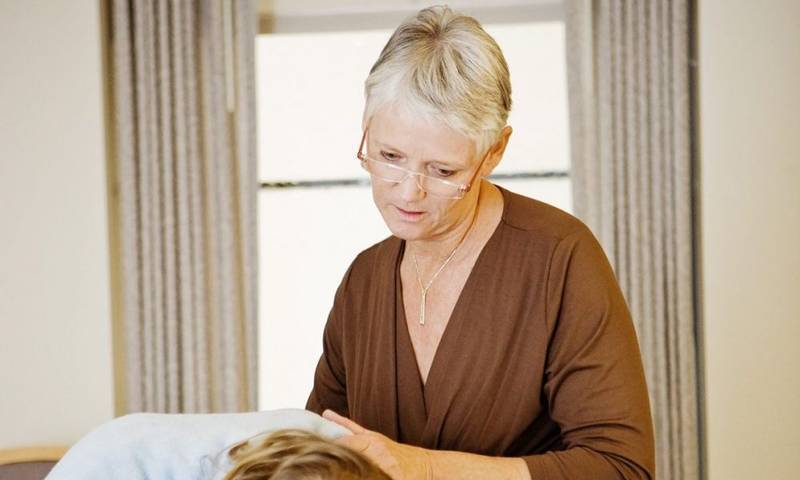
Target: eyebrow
430,160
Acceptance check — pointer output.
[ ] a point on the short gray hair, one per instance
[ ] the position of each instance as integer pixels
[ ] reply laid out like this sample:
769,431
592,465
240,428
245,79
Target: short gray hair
442,65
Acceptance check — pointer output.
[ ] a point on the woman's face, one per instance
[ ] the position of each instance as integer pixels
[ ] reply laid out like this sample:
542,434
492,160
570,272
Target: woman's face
424,147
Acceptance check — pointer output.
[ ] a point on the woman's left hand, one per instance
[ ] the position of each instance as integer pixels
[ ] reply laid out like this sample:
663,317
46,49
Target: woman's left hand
401,462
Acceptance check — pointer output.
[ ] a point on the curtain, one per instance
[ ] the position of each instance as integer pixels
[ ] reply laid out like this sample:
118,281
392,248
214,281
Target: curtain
183,202
632,165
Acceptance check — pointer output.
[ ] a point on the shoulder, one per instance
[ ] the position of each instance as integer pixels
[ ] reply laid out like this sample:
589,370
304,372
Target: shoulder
384,250
136,446
539,219
151,445
560,241
377,261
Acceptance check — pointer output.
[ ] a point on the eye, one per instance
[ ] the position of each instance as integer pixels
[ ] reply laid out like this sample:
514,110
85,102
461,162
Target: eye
389,156
442,172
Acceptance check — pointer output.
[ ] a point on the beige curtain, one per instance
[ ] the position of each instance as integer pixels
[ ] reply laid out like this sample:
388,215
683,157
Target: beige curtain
630,110
184,185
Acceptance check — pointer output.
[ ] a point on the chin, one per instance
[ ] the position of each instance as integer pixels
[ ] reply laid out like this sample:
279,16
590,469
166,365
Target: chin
404,230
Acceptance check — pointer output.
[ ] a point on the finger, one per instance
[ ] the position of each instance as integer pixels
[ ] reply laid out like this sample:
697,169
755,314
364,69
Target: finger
343,421
357,443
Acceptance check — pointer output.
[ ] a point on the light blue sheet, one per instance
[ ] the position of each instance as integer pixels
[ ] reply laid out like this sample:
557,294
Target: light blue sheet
146,446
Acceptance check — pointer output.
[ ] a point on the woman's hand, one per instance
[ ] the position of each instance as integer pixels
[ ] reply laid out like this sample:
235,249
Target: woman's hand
401,462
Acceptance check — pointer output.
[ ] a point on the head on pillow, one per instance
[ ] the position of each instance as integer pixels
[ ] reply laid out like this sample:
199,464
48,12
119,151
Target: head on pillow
298,455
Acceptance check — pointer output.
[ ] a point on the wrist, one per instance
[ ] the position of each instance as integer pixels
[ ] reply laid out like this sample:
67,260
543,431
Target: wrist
428,464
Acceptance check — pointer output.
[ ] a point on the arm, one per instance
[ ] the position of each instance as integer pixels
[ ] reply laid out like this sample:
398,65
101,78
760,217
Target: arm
330,391
594,381
458,465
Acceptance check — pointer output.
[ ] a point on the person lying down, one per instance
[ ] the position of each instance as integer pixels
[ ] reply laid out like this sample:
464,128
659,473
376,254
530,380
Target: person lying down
272,445
299,455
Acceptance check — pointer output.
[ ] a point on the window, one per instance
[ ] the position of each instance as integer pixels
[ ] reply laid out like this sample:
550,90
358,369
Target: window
310,102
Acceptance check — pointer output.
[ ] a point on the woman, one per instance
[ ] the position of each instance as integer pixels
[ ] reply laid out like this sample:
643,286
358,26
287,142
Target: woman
487,337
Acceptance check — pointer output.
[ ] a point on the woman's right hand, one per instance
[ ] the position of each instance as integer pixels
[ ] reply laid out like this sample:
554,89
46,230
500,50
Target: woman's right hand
401,462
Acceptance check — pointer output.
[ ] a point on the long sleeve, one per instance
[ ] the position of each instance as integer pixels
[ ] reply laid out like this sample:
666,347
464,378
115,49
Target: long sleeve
594,381
330,390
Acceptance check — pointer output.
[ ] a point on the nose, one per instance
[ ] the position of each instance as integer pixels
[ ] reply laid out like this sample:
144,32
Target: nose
410,188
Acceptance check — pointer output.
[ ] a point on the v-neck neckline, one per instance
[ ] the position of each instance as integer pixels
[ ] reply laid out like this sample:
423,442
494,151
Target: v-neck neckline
444,350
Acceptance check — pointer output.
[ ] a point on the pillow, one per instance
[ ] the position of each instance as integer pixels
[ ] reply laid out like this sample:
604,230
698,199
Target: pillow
149,446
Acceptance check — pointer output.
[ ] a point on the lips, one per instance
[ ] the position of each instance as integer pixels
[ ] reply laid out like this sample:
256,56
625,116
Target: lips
409,214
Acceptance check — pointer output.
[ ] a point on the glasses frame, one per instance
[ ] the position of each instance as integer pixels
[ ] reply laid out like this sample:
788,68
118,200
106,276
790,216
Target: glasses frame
463,188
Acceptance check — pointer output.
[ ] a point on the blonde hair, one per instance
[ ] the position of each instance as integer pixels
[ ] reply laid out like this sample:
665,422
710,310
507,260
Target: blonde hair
298,455
442,65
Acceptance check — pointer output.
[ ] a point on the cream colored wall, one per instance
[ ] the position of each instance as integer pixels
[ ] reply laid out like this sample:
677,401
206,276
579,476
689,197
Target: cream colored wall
749,67
55,339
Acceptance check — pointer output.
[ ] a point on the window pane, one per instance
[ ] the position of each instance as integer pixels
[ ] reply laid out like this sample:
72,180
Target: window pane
310,108
310,105
539,114
308,238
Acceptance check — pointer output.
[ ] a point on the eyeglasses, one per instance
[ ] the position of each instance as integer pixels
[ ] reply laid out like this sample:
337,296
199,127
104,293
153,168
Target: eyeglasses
395,174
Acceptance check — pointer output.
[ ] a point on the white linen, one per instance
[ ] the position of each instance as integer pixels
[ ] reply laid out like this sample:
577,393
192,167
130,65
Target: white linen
147,446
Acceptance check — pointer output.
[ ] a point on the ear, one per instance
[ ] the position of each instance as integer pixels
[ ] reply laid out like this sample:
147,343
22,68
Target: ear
496,151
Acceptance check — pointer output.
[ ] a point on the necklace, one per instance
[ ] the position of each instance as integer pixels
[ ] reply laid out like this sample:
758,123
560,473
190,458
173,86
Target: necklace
427,287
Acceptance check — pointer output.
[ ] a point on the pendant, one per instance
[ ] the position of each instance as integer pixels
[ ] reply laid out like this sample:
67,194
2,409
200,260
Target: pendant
422,308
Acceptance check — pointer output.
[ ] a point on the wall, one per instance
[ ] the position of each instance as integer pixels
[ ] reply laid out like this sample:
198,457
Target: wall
749,89
55,339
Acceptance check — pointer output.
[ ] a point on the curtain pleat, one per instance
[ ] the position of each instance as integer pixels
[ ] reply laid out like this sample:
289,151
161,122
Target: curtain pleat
630,120
185,197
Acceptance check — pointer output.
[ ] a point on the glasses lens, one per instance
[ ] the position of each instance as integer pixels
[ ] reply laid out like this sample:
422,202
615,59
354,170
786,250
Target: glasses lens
385,171
440,188
393,173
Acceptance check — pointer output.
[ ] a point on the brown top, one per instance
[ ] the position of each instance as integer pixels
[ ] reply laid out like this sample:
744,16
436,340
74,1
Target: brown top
539,359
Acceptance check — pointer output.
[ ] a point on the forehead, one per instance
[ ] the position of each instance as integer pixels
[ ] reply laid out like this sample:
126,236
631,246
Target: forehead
419,136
